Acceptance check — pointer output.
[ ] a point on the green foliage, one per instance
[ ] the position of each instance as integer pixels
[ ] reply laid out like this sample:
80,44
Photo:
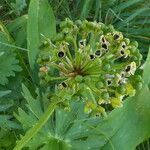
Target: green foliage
146,67
131,17
37,10
64,130
134,112
19,5
8,62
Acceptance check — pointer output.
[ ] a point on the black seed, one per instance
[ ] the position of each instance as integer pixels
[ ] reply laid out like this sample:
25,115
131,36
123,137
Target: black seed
109,82
61,54
98,53
119,82
92,56
97,115
116,36
103,39
122,52
122,75
123,46
64,84
81,42
128,68
104,46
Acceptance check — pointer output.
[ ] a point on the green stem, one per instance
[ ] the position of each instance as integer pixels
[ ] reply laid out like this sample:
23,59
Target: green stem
33,131
91,94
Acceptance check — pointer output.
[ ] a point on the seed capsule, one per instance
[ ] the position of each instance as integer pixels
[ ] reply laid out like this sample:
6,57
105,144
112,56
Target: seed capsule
121,89
98,53
61,54
82,43
109,82
103,40
79,78
99,85
123,45
64,84
116,102
116,36
128,68
106,67
122,52
105,95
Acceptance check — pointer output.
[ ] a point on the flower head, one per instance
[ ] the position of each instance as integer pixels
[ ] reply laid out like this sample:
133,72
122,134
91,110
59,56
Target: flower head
90,54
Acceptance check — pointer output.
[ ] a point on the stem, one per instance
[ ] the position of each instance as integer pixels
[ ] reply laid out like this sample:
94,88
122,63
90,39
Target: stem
91,94
34,130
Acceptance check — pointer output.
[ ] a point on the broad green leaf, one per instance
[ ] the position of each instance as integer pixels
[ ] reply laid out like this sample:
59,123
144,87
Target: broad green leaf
39,10
47,23
131,123
33,32
146,73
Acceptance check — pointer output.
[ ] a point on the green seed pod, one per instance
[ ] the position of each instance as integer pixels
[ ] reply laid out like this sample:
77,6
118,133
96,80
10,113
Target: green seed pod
106,67
121,89
127,41
134,43
139,56
133,49
59,37
78,22
116,102
69,38
105,95
78,78
99,85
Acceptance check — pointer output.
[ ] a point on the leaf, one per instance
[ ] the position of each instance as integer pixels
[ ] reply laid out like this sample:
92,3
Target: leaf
8,65
130,123
48,27
86,6
146,72
36,127
5,117
19,5
64,130
17,28
36,26
3,93
32,32
8,62
7,139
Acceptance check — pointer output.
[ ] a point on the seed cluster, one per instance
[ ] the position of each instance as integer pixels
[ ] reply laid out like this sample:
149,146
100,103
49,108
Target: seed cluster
95,61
